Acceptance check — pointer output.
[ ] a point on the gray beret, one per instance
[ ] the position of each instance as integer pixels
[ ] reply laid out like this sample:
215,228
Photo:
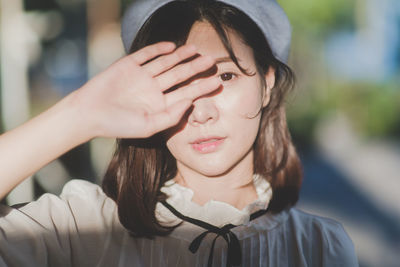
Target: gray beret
267,14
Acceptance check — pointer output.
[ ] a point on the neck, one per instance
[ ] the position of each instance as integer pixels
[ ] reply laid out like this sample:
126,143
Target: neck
234,187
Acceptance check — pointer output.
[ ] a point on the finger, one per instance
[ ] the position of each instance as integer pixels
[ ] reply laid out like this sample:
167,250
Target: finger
182,72
149,52
194,90
166,62
168,118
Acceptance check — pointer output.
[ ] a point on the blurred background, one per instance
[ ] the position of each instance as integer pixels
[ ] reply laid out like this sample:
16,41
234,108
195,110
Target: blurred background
344,114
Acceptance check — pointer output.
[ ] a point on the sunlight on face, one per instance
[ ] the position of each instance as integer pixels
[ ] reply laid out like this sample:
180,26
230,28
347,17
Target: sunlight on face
218,134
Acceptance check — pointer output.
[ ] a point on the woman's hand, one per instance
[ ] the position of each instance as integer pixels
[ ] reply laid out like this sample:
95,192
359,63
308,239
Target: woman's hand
129,99
126,100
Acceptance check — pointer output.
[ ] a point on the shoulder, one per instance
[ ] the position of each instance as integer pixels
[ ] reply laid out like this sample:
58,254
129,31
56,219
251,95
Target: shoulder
80,203
87,200
305,220
80,221
76,194
325,235
82,189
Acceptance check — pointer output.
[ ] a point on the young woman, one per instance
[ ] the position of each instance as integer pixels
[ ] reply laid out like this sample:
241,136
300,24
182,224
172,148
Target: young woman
204,172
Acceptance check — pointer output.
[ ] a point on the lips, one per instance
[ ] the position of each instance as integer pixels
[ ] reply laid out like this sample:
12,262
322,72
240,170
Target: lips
208,144
206,140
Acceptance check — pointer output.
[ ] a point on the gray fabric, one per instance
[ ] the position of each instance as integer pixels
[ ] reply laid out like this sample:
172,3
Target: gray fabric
267,14
81,228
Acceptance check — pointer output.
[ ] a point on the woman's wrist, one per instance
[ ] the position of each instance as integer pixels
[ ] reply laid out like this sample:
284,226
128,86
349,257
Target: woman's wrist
78,118
32,145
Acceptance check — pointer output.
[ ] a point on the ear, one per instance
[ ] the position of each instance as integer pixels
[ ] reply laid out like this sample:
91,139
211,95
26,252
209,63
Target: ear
270,83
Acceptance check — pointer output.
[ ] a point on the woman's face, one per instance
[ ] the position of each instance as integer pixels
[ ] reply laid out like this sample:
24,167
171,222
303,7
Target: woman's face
218,133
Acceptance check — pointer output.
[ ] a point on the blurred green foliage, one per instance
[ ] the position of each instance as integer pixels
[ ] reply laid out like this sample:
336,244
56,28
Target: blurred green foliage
372,107
319,16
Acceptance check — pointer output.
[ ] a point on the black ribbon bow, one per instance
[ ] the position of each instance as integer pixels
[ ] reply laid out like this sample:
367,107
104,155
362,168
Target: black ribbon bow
234,249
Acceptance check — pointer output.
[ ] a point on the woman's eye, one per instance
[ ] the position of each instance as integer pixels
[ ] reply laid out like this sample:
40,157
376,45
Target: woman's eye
227,76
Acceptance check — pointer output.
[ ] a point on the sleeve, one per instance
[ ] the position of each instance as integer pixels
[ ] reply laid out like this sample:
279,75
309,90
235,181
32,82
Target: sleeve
338,249
69,230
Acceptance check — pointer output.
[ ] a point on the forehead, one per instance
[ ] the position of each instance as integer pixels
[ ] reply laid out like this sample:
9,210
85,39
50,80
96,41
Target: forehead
208,42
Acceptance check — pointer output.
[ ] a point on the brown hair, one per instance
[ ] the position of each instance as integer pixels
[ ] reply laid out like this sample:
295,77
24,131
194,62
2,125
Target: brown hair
140,167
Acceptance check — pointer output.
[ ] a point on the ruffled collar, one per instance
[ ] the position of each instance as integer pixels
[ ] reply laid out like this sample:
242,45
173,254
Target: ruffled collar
215,212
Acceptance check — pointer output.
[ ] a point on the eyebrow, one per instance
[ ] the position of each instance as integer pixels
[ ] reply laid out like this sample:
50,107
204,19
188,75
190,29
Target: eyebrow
224,60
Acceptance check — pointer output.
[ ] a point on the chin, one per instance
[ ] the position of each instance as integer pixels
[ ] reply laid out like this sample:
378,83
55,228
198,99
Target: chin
213,169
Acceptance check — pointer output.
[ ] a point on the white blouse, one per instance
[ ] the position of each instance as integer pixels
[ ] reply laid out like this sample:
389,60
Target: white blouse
215,212
81,228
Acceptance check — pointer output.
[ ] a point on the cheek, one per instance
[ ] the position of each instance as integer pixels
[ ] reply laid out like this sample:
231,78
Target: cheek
249,106
174,143
243,99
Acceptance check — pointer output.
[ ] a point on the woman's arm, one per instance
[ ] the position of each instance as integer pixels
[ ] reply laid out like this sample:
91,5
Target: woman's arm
127,100
27,148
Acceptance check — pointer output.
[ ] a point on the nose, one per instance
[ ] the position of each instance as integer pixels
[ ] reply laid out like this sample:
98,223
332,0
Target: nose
204,111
